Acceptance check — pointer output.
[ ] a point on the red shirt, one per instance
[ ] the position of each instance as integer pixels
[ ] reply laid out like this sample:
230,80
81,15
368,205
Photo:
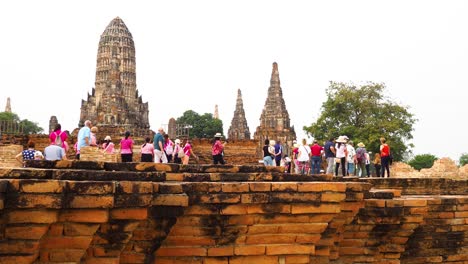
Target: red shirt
385,152
316,150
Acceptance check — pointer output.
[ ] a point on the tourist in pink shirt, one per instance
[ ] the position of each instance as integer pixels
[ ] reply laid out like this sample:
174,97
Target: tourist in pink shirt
126,146
58,132
147,151
188,151
108,146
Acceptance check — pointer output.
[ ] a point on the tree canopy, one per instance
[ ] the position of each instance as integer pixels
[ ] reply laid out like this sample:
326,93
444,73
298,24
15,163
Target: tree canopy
422,161
201,126
463,159
364,114
13,124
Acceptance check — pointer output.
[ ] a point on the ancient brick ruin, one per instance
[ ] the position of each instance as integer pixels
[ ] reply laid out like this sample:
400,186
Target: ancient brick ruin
114,102
274,120
239,129
95,212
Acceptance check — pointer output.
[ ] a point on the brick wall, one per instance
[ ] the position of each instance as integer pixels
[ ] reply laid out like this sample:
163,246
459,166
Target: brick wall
97,212
8,154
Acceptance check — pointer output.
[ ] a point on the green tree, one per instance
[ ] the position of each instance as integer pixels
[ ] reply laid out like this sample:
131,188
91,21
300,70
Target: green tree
201,126
463,159
423,161
28,127
364,114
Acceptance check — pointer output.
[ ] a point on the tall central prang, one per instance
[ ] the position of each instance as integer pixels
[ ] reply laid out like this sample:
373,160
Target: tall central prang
274,121
114,102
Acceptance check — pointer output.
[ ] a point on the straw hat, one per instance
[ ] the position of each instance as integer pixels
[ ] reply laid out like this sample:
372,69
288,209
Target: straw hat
361,145
218,135
341,139
177,141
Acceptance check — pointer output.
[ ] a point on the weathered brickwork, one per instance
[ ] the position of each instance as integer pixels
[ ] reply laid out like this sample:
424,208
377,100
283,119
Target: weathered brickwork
97,212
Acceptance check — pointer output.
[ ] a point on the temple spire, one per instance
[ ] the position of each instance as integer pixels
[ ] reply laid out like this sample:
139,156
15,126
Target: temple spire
216,112
239,128
115,102
8,105
274,120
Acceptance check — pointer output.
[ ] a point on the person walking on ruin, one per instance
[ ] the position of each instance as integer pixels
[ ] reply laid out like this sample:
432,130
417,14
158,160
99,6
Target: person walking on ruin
188,151
126,148
54,152
83,138
93,137
147,151
168,148
385,157
267,155
27,154
368,161
278,153
377,164
303,157
177,149
58,136
316,158
108,146
217,149
350,159
360,159
330,151
341,154
158,141
295,152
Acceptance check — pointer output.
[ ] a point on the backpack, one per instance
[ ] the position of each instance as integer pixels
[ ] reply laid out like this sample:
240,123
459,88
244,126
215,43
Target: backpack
58,139
360,154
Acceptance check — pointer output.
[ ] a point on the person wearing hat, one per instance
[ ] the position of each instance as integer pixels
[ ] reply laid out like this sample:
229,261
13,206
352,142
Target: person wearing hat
108,146
341,154
217,149
360,159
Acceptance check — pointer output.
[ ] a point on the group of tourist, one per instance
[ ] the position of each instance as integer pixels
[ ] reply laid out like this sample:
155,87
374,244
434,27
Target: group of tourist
159,149
339,155
56,150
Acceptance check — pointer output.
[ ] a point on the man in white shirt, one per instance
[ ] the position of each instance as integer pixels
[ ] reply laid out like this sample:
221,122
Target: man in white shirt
350,159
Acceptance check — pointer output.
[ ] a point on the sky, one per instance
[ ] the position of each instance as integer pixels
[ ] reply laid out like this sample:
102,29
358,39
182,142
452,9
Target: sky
193,55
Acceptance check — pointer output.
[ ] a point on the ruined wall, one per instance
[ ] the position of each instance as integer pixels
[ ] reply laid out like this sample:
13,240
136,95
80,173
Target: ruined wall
92,212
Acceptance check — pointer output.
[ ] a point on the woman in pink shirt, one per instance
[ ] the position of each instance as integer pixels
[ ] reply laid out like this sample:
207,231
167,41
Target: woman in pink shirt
107,146
188,151
147,151
126,146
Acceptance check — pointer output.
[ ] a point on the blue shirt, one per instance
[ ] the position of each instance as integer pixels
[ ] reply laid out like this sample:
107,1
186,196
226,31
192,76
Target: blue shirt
158,138
84,132
278,149
328,152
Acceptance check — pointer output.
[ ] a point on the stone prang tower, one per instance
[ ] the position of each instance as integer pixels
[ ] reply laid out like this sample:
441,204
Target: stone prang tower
239,128
8,105
274,121
114,102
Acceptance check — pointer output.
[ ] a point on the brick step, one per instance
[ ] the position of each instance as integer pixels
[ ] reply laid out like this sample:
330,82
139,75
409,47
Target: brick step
384,193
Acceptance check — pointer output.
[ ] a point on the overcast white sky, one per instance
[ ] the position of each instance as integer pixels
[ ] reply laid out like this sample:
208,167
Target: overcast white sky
198,53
